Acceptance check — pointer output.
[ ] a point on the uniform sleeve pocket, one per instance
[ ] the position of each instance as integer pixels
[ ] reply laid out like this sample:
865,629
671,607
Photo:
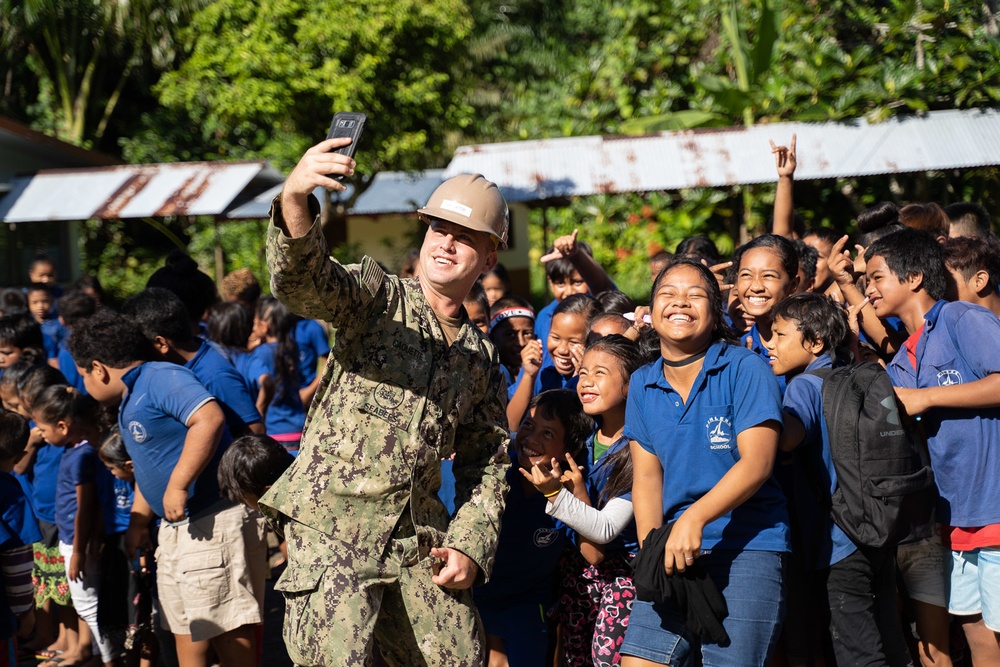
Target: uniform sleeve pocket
301,579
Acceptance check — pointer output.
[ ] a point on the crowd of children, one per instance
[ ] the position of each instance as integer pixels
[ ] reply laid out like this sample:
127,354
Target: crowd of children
694,427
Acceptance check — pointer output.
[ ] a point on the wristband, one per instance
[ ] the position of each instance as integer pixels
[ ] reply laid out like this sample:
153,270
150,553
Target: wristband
554,493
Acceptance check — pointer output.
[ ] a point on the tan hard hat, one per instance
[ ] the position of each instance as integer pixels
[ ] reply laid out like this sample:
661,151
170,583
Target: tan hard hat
471,201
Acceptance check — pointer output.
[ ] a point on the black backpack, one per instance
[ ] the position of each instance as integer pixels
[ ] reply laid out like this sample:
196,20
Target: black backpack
885,488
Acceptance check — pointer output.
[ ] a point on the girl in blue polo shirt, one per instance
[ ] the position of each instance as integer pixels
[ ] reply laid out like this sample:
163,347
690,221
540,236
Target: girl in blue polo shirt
703,422
278,357
84,488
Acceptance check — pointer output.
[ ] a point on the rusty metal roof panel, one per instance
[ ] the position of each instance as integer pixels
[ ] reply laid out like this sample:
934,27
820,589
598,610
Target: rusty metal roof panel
136,191
543,169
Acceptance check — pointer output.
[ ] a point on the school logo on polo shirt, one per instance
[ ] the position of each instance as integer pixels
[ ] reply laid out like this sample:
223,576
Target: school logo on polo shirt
720,433
544,537
949,377
137,430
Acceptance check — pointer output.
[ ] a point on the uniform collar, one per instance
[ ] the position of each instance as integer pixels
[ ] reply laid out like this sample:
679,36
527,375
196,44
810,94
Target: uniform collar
715,358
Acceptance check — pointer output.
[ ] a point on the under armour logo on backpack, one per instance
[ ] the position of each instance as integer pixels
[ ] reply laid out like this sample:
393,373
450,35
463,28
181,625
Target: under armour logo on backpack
889,403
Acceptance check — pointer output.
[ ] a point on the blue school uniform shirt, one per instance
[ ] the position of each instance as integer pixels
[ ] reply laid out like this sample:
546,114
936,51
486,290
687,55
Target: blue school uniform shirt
160,399
225,383
597,480
54,336
68,368
757,347
81,465
285,414
44,473
822,542
313,343
122,495
696,441
528,550
960,344
17,519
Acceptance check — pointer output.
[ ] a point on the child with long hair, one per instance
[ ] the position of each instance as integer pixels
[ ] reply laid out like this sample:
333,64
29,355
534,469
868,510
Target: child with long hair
703,423
596,583
68,418
284,414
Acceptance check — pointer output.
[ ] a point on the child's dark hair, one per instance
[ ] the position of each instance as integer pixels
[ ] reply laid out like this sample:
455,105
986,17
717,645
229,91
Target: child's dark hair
241,285
615,301
648,345
629,359
250,465
578,304
12,375
721,331
509,301
12,302
880,215
14,434
180,275
38,287
112,339
808,258
909,252
75,306
562,268
160,312
824,234
616,318
281,324
500,271
21,331
113,450
35,380
229,324
781,246
968,219
60,402
565,405
880,232
700,247
478,295
968,255
819,319
40,258
89,282
926,217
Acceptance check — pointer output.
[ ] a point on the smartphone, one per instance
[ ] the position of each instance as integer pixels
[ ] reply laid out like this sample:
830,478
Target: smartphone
347,124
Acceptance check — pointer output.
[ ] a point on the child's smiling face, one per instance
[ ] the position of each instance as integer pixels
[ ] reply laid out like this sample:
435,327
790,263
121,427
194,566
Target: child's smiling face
540,439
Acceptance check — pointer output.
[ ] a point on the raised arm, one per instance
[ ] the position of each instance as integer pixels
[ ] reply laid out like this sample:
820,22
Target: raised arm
593,273
784,211
311,172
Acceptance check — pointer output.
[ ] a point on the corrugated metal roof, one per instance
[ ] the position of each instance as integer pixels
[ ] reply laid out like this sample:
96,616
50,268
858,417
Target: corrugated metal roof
397,192
136,191
389,192
536,170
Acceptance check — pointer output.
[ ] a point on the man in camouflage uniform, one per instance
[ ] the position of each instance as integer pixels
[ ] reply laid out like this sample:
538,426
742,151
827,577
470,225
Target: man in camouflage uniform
410,381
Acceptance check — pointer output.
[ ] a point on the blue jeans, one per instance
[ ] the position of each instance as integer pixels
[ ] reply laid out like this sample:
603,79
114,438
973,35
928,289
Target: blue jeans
751,582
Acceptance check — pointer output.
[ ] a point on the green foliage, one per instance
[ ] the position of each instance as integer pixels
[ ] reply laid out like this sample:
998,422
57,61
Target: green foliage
263,79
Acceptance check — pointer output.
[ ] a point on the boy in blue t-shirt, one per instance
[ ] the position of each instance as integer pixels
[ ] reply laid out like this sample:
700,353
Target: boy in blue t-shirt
161,315
860,583
948,373
172,429
514,605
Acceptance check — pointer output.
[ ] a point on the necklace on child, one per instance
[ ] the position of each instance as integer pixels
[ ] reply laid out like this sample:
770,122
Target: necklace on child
686,361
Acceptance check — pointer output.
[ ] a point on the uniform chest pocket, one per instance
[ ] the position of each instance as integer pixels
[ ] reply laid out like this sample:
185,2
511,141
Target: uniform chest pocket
944,373
718,435
394,404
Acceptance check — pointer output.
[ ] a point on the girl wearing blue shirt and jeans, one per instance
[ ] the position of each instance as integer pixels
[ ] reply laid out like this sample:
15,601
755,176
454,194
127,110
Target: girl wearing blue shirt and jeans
703,422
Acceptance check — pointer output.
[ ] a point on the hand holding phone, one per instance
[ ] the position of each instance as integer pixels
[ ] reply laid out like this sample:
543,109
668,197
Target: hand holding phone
346,124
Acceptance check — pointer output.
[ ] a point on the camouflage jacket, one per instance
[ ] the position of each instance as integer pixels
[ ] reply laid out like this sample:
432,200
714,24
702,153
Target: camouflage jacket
393,401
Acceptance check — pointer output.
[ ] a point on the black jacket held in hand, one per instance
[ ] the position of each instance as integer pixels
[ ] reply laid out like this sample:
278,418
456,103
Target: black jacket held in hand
692,591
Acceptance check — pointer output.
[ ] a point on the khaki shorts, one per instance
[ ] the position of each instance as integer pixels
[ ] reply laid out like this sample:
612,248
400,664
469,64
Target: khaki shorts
210,572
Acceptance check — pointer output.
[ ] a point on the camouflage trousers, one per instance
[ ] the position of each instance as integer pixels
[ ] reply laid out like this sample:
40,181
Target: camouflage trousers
338,602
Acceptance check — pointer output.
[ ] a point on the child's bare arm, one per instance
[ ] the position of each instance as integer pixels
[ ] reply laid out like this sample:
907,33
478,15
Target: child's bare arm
784,211
647,490
793,432
984,393
204,431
